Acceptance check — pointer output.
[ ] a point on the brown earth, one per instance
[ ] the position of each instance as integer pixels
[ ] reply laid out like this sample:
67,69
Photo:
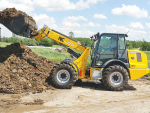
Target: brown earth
10,13
21,70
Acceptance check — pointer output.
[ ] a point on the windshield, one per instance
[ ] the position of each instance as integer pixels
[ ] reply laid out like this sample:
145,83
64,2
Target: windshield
107,43
106,48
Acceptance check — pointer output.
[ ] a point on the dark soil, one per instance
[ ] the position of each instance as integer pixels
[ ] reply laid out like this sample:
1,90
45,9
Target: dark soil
21,70
11,14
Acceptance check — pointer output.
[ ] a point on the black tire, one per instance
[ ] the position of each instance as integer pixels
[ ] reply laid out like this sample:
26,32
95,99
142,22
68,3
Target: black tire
63,76
115,78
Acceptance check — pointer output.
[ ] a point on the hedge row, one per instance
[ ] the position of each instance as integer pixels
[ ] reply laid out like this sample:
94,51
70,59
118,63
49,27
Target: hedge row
30,42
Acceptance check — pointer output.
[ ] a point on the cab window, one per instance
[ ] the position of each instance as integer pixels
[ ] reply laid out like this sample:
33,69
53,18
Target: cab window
121,42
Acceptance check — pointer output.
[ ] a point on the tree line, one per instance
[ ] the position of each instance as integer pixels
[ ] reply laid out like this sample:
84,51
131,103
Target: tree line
142,44
28,41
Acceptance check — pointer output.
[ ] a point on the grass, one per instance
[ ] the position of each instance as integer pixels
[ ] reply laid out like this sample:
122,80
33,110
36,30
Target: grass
4,44
148,59
51,54
148,56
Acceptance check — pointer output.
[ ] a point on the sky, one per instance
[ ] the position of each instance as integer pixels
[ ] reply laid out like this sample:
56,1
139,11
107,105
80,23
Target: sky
87,17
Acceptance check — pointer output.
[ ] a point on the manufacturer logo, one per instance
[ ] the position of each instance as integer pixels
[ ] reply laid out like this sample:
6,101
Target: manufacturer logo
61,39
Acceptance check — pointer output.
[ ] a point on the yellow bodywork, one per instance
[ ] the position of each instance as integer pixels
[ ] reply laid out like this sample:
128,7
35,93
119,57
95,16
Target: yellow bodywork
59,38
138,65
62,39
81,63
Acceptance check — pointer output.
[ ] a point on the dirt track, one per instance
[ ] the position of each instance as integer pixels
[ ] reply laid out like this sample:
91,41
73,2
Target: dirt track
89,98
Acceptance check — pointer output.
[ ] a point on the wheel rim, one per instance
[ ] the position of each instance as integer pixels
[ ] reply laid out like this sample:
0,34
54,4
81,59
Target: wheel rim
63,76
116,78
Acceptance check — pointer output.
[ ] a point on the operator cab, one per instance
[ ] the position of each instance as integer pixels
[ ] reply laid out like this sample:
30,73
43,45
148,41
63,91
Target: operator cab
109,46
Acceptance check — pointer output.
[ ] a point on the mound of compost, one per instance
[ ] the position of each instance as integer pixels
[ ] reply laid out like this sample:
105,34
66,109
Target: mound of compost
21,70
16,20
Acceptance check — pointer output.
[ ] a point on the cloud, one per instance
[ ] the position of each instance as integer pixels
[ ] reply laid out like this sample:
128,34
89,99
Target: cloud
78,32
49,5
136,25
91,24
70,24
74,19
62,5
94,1
71,21
114,29
25,2
133,34
5,32
99,16
130,10
45,19
84,33
148,25
19,5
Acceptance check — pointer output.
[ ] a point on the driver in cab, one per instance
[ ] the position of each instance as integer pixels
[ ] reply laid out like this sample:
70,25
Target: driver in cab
113,44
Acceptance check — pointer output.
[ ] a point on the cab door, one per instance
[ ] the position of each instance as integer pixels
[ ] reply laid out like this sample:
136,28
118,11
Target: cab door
122,52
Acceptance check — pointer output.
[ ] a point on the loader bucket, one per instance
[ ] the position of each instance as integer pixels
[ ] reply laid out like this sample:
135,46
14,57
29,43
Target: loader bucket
21,25
18,22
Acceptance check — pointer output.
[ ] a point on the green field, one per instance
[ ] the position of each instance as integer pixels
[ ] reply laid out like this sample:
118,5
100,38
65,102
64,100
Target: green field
51,54
148,58
148,55
4,44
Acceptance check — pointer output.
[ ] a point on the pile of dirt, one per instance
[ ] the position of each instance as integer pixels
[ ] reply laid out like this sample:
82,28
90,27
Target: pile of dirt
21,70
11,15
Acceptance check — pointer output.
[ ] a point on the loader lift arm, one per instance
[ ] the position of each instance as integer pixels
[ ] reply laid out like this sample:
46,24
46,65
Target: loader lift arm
61,39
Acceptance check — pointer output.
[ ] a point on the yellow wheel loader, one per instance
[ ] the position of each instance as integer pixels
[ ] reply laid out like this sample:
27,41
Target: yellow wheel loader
111,61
